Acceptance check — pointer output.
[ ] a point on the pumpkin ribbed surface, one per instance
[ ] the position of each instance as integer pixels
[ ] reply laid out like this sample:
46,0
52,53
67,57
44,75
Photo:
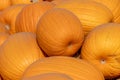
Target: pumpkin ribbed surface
17,53
8,16
63,35
90,13
33,11
114,6
102,48
75,68
50,76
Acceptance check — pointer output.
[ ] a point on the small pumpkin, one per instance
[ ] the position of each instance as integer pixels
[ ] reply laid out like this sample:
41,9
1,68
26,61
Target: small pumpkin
63,35
66,65
102,48
114,6
8,16
17,53
50,76
90,13
28,18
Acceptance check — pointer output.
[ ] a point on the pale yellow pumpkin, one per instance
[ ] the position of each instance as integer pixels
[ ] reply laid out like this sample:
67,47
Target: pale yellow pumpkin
102,48
90,13
75,68
8,16
50,76
114,6
28,18
17,53
63,35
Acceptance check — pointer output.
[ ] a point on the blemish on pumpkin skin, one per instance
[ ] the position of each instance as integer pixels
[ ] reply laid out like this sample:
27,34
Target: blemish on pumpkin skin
103,61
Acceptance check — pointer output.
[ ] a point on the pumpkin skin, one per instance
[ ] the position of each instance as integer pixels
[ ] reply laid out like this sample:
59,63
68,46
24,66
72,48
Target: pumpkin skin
4,4
63,35
90,13
101,48
3,28
17,53
66,65
114,6
33,11
3,37
50,76
8,16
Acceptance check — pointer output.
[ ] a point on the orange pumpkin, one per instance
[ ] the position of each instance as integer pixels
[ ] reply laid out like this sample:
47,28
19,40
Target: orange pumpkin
102,48
90,13
17,53
8,16
63,35
114,6
50,76
75,68
29,16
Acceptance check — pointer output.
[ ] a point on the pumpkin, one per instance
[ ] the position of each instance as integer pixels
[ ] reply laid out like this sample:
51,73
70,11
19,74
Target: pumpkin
8,16
102,48
75,68
17,53
114,6
90,13
28,18
63,35
50,76
4,4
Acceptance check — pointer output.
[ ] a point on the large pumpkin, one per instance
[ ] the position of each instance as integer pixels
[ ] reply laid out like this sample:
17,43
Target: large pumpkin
8,16
114,6
29,16
102,48
17,53
89,12
50,76
75,68
63,35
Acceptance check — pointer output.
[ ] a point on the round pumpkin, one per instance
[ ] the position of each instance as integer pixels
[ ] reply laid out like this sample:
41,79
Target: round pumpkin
28,18
58,1
102,48
75,68
4,4
90,13
17,53
63,35
8,16
114,6
50,76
